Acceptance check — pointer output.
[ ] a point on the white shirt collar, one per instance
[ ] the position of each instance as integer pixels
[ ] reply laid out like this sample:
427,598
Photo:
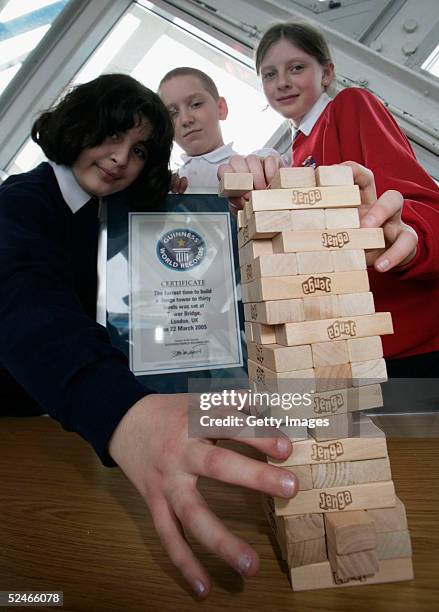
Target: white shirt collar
213,157
312,116
71,191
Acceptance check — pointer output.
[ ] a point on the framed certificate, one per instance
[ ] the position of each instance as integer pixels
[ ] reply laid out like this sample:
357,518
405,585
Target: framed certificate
183,308
169,289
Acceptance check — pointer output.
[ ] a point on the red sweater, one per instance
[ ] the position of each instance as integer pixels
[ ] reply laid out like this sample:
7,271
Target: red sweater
356,126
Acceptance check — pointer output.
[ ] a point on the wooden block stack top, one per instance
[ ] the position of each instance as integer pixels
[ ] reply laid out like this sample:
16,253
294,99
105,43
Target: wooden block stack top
311,326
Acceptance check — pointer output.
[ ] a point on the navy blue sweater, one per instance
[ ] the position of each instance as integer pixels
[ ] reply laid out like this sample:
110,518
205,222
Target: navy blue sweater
53,354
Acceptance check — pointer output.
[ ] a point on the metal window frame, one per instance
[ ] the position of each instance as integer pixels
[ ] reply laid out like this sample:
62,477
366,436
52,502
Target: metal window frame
74,35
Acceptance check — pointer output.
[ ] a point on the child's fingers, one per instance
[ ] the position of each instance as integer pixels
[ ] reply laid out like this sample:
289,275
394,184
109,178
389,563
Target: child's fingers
236,204
234,468
400,252
256,167
271,166
277,447
179,551
210,531
387,206
363,177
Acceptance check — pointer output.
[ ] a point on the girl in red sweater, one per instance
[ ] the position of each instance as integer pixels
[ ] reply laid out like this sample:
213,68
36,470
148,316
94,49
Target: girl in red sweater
296,70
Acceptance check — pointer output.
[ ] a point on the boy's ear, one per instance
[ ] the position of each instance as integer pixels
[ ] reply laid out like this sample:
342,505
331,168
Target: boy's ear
223,109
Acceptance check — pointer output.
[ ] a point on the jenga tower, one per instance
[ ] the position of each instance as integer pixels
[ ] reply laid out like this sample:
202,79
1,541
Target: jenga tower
311,326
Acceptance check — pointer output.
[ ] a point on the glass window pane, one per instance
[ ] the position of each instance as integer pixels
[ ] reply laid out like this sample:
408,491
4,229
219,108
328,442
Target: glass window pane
23,24
147,46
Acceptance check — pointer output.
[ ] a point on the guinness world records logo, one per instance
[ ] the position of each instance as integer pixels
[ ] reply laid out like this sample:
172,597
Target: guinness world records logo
181,249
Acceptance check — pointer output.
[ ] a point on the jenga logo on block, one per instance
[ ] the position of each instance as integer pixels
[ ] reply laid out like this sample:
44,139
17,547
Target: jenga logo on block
339,240
253,312
310,197
327,453
245,233
259,353
336,501
341,328
260,375
339,580
316,283
328,405
249,272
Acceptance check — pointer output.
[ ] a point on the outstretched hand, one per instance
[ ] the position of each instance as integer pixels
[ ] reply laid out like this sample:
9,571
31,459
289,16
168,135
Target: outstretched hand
152,447
386,212
262,168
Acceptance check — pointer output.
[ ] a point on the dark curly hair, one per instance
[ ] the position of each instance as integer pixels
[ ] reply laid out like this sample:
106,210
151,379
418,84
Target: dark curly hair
93,111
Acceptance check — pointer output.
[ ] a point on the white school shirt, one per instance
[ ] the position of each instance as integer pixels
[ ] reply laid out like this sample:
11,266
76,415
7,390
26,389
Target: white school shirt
71,191
310,119
201,170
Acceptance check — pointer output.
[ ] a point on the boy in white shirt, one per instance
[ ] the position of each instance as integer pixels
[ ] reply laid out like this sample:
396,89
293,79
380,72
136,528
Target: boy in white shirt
196,108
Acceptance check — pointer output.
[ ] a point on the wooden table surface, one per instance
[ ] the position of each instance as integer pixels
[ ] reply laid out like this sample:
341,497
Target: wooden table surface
69,524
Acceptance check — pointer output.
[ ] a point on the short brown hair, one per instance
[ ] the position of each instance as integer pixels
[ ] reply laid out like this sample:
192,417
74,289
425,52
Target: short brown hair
303,35
204,78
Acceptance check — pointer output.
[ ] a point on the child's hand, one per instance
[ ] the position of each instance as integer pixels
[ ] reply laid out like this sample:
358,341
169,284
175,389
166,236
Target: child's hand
152,447
262,168
401,239
178,183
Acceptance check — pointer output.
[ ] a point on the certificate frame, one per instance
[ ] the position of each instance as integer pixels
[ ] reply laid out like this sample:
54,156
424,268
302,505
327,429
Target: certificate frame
113,240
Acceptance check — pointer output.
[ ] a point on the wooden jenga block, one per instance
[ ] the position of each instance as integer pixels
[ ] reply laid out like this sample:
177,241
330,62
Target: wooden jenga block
303,475
274,312
345,196
389,519
270,265
309,332
334,175
293,381
248,329
247,212
353,565
242,236
350,449
344,261
330,377
233,185
330,353
350,472
276,524
320,307
339,426
365,349
287,178
306,552
393,545
311,262
342,218
320,576
240,219
368,372
263,334
329,403
266,224
253,249
316,240
302,285
331,475
356,304
371,470
336,499
364,398
280,358
349,532
303,527
308,219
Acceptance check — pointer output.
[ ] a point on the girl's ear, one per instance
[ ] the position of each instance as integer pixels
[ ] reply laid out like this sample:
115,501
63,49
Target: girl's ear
328,74
223,109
